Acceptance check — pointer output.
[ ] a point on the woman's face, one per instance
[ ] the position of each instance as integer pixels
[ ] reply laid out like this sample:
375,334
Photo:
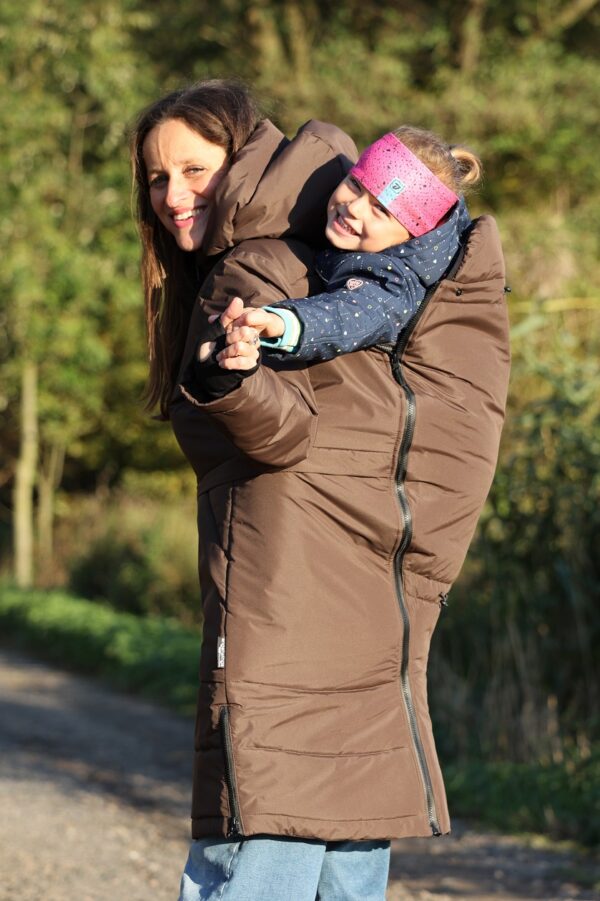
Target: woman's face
183,171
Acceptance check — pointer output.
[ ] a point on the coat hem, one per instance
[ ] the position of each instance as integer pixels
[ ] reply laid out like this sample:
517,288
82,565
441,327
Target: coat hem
325,830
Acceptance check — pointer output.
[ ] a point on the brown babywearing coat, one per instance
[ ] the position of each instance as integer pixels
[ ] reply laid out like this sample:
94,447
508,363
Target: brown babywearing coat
336,503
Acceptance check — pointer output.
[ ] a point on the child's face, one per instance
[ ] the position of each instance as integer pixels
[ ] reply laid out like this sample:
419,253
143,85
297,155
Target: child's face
357,221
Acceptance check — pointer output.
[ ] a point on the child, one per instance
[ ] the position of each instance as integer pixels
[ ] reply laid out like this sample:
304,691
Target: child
396,222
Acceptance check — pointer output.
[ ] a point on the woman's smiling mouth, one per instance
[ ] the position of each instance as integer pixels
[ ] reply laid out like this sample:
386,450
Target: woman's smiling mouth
180,220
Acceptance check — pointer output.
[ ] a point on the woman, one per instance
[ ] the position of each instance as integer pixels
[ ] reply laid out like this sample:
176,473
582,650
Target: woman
333,516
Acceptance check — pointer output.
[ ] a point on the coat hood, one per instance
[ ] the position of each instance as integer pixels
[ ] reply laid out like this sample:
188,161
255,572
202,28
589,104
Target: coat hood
274,187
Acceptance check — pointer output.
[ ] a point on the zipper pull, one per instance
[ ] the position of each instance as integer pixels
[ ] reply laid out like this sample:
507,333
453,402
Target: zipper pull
234,829
443,598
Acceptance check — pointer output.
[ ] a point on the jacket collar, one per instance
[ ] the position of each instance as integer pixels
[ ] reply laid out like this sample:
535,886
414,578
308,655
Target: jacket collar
236,189
276,187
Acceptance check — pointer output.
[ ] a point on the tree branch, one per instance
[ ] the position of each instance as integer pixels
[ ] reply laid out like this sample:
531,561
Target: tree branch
569,16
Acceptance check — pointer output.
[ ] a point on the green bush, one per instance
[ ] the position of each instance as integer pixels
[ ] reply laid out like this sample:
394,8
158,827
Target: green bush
116,569
560,799
155,656
139,555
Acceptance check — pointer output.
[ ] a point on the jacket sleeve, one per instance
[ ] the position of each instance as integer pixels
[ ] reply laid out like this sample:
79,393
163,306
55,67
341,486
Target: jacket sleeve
268,418
358,314
261,272
271,416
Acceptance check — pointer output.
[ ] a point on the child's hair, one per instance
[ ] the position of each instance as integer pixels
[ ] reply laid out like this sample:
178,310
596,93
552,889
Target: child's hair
457,167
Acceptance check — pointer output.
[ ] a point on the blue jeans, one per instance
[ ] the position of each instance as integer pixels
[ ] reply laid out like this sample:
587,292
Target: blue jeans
270,868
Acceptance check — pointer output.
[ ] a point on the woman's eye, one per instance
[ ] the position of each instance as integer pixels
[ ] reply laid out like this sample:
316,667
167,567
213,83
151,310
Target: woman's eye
194,170
156,180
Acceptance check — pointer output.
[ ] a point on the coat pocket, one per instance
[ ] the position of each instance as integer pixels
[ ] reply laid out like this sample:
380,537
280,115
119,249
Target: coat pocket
214,528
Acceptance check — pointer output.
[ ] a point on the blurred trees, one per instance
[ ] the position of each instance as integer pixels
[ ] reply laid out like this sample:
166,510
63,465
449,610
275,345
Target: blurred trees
517,81
517,672
70,81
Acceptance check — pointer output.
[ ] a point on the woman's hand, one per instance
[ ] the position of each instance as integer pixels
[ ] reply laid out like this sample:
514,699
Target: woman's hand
243,343
242,351
204,379
228,317
243,326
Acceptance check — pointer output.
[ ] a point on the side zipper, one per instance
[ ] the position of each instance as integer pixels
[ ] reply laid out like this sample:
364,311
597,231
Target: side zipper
405,445
235,820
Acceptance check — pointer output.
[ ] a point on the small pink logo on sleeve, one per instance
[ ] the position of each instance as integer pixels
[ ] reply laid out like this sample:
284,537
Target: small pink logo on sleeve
354,283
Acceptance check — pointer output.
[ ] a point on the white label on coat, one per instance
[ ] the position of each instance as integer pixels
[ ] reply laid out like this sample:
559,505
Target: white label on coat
220,653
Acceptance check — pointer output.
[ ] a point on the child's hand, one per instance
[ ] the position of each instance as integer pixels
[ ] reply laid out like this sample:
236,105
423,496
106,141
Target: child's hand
265,323
231,313
243,326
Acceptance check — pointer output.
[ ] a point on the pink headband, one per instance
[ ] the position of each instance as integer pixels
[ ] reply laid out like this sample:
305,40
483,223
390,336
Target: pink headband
403,185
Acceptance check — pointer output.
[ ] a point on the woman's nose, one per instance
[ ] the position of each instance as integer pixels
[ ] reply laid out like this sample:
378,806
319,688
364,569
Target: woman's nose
176,191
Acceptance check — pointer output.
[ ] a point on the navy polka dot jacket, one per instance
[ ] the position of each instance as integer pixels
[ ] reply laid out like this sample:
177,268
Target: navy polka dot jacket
370,297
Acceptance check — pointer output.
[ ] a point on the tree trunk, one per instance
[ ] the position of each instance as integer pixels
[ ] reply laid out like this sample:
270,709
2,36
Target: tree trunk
25,478
49,477
472,29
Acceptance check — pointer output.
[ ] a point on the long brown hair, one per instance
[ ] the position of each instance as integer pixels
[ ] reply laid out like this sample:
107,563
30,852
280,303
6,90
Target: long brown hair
224,113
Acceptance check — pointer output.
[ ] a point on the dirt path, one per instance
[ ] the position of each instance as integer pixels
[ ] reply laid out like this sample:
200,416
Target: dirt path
94,799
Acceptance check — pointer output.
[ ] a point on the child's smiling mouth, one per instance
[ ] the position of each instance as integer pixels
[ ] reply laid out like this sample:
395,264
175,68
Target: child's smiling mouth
342,225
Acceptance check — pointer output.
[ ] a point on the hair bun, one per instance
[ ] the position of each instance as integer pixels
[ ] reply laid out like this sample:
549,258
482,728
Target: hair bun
469,166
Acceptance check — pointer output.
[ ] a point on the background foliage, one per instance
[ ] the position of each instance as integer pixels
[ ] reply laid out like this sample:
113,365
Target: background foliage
513,676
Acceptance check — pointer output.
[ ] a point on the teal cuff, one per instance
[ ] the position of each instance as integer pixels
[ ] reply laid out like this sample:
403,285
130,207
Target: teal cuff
289,341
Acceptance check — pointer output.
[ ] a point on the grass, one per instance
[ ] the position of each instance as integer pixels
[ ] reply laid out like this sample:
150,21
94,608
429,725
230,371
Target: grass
153,656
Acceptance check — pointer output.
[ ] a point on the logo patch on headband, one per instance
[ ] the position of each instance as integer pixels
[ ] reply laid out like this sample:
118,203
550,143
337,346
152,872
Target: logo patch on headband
392,190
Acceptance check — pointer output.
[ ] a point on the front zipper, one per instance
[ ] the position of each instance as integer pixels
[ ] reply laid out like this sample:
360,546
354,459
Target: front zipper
405,444
235,820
